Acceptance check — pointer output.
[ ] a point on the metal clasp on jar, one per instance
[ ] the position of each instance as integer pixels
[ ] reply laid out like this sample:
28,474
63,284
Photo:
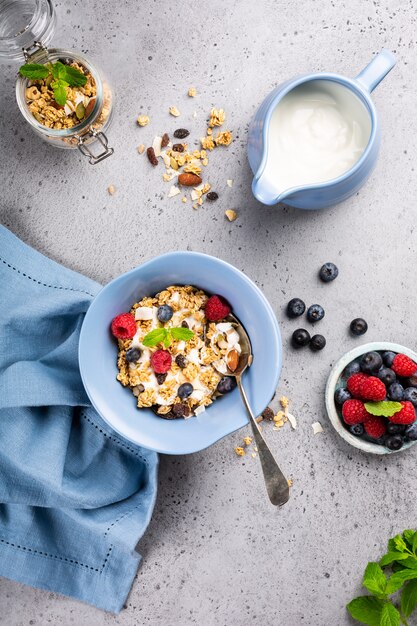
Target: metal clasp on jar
37,49
85,150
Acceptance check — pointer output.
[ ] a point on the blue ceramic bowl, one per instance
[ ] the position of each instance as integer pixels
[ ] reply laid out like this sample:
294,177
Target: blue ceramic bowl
98,353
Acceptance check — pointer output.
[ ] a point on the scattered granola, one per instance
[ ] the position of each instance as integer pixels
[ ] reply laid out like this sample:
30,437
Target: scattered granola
111,189
217,117
317,428
224,138
170,354
152,156
231,215
141,148
192,92
240,451
268,414
174,111
229,182
247,441
143,120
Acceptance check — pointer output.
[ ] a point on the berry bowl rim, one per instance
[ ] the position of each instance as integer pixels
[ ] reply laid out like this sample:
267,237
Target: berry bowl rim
331,386
117,406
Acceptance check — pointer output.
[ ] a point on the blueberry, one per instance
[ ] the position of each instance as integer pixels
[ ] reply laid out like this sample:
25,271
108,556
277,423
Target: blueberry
226,384
341,395
411,382
395,429
411,394
353,368
295,308
388,357
300,338
394,442
317,342
358,326
185,390
411,431
165,312
387,376
315,313
357,430
396,392
328,272
133,355
371,362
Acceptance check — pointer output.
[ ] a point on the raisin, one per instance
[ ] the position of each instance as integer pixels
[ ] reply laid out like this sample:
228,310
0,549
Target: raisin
161,378
165,140
184,324
181,410
212,196
181,361
150,152
268,414
168,416
181,133
178,147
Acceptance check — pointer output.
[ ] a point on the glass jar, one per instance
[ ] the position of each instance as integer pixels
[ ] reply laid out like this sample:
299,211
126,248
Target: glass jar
26,28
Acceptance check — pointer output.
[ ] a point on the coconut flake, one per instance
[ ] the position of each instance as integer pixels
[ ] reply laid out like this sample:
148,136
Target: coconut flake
230,182
157,146
144,313
199,409
220,366
291,420
223,327
174,191
317,428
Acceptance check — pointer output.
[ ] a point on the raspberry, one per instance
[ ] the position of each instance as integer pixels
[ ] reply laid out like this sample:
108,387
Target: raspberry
375,426
354,412
407,415
124,326
354,384
403,365
161,361
217,308
373,389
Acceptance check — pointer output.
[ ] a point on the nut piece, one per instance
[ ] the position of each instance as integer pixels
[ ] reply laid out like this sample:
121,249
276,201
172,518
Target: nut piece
174,111
189,180
143,120
141,148
111,189
192,92
233,360
151,156
231,215
33,93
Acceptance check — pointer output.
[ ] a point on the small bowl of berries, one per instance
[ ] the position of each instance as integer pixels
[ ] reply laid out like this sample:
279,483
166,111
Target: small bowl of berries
371,397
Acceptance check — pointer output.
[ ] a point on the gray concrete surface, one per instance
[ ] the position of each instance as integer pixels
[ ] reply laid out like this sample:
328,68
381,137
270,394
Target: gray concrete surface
216,552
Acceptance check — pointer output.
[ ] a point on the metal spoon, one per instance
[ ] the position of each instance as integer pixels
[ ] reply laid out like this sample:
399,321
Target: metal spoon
275,481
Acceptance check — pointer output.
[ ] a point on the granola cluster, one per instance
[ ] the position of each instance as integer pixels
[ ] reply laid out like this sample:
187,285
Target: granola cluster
80,102
200,361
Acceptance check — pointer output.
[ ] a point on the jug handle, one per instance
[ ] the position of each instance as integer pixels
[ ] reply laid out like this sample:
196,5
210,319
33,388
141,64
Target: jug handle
376,70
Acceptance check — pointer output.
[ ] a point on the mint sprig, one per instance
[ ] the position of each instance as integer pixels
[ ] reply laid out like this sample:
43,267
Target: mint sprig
379,609
166,335
385,408
63,76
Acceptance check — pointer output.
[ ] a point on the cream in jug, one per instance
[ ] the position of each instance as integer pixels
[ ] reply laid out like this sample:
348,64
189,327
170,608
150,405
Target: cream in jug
318,131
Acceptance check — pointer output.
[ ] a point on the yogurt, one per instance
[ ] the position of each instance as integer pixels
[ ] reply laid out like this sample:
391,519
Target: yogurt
318,131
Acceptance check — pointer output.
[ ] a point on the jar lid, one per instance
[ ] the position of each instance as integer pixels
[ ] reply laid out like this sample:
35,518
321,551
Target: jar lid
25,27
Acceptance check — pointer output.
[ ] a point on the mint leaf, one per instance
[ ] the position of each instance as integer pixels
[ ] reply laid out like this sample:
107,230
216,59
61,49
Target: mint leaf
374,579
366,610
58,70
409,536
390,557
414,543
154,337
409,598
34,71
181,334
74,77
386,408
167,340
60,93
389,615
399,543
397,580
410,562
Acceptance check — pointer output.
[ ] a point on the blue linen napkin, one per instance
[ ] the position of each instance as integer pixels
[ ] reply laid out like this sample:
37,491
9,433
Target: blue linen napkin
75,497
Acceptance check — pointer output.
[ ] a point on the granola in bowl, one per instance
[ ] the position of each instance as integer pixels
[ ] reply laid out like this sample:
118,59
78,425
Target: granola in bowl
172,347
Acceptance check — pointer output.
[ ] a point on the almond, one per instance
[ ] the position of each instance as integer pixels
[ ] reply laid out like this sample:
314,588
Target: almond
189,180
90,106
232,360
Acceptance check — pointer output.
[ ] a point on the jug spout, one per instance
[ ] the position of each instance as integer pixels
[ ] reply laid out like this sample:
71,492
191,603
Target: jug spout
265,192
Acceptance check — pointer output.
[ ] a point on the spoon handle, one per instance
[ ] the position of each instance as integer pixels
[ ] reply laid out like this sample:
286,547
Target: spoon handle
275,481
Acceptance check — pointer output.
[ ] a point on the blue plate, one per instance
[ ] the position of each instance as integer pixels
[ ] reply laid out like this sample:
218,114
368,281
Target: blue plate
98,353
